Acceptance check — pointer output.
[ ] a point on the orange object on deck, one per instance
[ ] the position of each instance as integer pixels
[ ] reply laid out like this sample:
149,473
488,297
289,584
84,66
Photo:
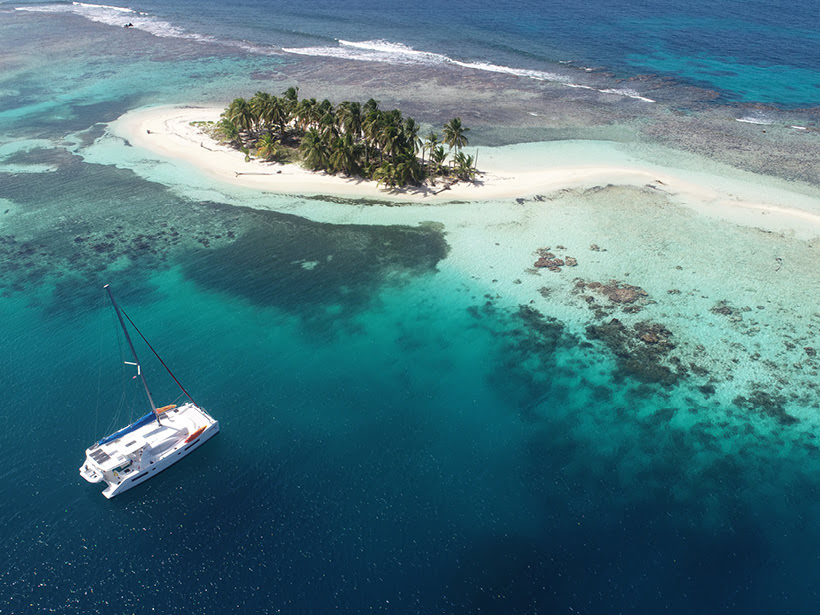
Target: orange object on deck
166,408
195,435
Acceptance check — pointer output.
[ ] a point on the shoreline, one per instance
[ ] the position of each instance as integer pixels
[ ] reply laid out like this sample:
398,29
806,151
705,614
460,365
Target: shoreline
508,172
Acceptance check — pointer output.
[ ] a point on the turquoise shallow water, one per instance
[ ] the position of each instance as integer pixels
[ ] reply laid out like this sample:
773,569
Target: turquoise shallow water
398,433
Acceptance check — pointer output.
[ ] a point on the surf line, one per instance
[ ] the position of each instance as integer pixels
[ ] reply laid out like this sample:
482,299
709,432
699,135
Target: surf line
385,52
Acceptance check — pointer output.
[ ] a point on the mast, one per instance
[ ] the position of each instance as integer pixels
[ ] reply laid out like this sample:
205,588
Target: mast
133,352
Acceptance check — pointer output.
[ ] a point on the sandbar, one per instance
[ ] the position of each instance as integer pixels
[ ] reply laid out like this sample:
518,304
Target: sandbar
172,133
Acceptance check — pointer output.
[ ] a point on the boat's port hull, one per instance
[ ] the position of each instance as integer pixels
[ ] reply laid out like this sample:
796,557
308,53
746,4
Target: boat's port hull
89,474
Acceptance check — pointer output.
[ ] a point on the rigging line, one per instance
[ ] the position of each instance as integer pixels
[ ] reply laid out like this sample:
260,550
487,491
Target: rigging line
115,417
124,380
179,384
99,370
124,401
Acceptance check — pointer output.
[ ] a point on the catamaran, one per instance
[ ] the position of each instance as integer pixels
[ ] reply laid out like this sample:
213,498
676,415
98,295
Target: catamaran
132,455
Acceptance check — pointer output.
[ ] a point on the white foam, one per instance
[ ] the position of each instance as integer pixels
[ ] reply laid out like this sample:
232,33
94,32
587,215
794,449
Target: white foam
379,50
120,16
389,52
626,92
619,92
538,75
103,6
396,50
749,119
572,63
373,51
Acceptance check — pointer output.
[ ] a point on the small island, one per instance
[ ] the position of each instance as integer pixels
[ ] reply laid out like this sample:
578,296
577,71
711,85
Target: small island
351,138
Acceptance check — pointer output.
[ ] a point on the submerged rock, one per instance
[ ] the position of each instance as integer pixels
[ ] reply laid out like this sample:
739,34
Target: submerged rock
654,333
553,264
767,404
615,291
641,352
724,309
548,260
707,389
623,293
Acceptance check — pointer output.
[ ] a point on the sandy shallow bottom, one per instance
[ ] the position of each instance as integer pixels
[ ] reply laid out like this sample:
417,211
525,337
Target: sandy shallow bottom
725,262
509,172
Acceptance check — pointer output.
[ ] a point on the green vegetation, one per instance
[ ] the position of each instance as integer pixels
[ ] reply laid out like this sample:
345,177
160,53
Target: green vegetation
351,138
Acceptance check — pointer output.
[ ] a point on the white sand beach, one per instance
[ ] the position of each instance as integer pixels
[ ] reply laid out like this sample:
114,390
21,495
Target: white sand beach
511,172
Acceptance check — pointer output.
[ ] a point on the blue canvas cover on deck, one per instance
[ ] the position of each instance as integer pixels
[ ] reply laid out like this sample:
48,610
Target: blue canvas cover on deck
133,426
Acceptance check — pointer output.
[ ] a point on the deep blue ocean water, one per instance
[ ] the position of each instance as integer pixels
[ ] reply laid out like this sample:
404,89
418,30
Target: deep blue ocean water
759,51
392,439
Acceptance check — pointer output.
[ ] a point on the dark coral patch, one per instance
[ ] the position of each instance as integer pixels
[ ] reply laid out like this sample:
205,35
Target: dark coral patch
768,404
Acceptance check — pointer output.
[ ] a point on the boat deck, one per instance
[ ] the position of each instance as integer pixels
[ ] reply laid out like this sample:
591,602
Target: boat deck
147,444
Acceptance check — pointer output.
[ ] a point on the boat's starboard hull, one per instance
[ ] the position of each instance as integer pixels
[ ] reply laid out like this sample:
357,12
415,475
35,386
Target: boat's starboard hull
156,468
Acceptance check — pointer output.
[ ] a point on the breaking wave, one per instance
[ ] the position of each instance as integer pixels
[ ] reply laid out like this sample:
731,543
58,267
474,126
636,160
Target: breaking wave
755,119
396,53
121,16
383,51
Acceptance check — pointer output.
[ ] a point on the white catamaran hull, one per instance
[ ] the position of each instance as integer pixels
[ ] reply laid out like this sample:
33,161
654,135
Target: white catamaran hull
116,489
147,449
132,455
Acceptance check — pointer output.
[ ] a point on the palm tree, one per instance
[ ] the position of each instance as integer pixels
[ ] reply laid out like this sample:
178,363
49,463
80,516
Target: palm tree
267,146
239,112
411,134
430,142
437,157
408,170
370,106
327,127
454,134
306,113
345,139
390,140
278,114
344,154
325,107
314,150
464,166
385,174
260,105
392,136
349,116
290,98
372,127
229,131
